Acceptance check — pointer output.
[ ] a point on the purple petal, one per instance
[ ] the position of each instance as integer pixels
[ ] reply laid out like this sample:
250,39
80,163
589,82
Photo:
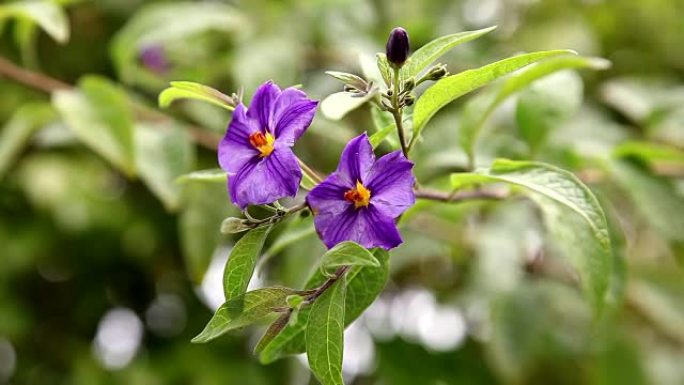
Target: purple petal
264,180
235,151
328,197
356,160
391,184
291,115
262,104
367,227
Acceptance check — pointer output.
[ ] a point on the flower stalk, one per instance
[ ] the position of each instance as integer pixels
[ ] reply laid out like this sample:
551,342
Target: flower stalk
397,112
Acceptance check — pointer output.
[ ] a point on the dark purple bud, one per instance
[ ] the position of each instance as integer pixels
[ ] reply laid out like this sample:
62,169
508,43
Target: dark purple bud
153,58
398,47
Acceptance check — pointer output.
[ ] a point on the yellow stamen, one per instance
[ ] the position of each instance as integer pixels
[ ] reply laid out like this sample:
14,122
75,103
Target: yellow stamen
263,143
359,195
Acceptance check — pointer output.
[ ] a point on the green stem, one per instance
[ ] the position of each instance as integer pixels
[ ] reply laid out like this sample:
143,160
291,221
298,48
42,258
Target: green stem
397,112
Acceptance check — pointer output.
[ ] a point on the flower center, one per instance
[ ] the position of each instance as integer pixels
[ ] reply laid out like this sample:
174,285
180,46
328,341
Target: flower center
359,195
263,143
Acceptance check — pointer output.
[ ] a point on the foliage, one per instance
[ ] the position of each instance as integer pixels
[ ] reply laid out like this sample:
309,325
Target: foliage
545,245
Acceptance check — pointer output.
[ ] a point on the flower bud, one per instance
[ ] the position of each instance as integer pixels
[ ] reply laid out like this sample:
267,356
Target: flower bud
233,225
397,47
409,85
409,100
437,72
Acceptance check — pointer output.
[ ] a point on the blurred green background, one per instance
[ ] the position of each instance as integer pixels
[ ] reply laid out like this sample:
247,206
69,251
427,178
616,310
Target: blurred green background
108,268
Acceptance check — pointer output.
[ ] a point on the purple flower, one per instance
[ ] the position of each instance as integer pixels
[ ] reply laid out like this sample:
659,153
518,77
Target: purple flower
256,151
361,199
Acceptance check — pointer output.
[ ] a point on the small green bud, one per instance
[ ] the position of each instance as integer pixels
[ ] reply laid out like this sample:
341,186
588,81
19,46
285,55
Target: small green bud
437,72
232,225
409,85
294,301
409,100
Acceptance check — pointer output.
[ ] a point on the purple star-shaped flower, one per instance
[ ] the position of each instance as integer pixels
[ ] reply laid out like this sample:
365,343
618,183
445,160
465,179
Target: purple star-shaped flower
361,199
256,150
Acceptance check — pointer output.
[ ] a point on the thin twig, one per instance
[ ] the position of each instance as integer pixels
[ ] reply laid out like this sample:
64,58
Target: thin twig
32,79
327,284
397,113
45,83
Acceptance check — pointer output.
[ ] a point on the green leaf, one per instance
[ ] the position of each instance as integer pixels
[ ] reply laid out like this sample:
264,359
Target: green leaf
547,104
384,68
348,78
347,253
272,331
244,310
339,104
204,206
655,198
478,110
364,284
168,22
452,87
383,122
242,260
431,51
325,334
48,15
163,153
190,90
98,113
559,193
214,175
650,153
17,131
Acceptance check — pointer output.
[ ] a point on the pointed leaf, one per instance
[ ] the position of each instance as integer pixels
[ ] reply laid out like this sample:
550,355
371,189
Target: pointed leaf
364,284
339,104
242,260
559,193
325,334
99,114
190,90
204,206
478,110
347,253
244,310
163,153
427,54
655,199
17,131
452,87
272,332
50,16
383,122
211,175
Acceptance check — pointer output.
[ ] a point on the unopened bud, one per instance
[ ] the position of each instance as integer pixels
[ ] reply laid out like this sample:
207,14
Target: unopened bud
409,85
409,100
437,72
232,225
397,47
